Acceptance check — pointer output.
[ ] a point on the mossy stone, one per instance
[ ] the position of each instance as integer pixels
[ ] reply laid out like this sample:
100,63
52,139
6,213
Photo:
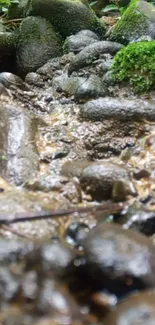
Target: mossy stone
17,9
38,43
135,64
8,41
67,16
138,20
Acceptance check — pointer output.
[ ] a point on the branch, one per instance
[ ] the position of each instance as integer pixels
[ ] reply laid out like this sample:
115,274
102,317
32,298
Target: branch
109,207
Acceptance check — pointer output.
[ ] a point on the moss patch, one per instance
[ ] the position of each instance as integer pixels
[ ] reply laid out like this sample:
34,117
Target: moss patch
136,65
133,23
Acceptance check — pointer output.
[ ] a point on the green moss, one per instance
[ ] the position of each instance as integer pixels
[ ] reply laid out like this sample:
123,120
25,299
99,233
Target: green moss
132,24
136,65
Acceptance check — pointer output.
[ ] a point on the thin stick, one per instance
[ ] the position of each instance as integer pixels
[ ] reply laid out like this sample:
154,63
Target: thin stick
30,216
14,231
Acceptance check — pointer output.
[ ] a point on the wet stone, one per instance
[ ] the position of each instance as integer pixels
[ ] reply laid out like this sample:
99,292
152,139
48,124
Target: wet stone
33,78
56,301
120,109
9,79
75,43
57,258
13,251
92,52
9,284
19,158
47,183
67,84
74,168
93,87
88,33
120,260
136,309
99,179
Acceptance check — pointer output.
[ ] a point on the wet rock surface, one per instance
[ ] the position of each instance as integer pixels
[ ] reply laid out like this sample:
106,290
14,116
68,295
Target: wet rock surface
78,166
92,52
124,262
19,158
121,109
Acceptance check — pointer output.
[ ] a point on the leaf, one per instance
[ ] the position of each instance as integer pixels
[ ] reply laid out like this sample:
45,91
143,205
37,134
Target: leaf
92,3
110,8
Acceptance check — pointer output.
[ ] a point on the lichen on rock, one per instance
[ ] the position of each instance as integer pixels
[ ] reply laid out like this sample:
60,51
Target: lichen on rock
135,64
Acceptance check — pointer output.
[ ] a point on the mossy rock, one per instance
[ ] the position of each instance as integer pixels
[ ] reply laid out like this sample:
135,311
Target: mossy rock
138,20
67,16
17,9
8,41
135,64
38,43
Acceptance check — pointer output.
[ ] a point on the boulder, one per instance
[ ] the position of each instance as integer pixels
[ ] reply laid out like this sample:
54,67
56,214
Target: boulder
67,17
121,109
37,44
138,20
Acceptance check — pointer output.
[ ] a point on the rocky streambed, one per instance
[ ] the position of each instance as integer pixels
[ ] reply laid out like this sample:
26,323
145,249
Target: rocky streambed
80,149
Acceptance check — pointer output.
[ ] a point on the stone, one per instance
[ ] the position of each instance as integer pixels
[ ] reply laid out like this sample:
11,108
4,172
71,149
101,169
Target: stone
76,43
118,259
18,156
93,87
136,309
138,20
121,109
68,85
99,179
92,52
67,17
37,43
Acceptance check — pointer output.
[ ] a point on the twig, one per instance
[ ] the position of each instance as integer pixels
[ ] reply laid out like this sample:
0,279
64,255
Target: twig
7,22
14,231
109,207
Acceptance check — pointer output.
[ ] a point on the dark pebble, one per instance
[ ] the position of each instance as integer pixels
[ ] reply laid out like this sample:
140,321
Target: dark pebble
118,259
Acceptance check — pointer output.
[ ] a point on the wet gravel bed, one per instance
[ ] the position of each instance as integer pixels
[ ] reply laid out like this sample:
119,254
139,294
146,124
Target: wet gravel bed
69,139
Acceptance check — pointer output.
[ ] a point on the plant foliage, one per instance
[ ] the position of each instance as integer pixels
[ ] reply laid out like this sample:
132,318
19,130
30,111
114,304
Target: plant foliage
135,64
4,4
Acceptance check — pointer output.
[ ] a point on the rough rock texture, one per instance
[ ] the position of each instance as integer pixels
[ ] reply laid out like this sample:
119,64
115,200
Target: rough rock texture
37,44
138,20
119,108
68,17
